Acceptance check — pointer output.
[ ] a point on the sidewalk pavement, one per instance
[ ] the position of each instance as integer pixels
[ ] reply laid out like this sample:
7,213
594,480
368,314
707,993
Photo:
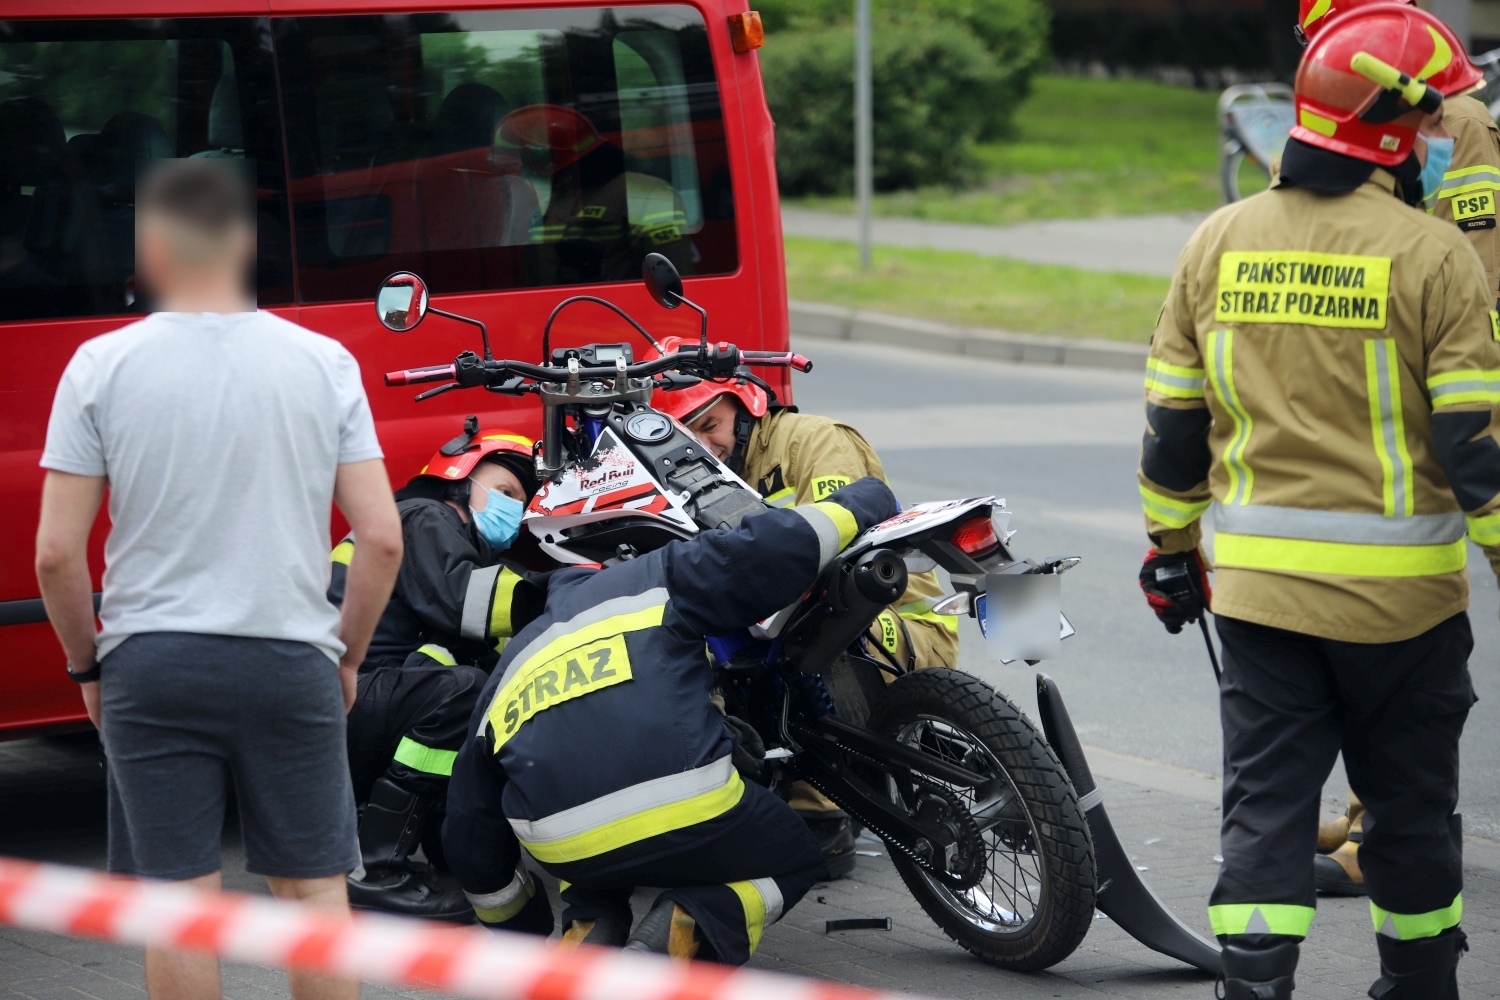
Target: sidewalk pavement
1146,244
1167,818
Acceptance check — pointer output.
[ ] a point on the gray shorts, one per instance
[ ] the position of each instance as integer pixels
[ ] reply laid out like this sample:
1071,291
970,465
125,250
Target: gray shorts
186,714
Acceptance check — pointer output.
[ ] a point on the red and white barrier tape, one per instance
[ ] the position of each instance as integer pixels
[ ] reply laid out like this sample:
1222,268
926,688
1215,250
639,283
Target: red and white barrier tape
378,949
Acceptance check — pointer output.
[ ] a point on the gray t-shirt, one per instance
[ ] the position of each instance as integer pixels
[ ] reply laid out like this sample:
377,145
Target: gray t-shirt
220,437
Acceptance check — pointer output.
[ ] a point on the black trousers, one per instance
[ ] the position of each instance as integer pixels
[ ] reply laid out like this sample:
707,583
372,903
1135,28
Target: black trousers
747,870
1289,703
417,713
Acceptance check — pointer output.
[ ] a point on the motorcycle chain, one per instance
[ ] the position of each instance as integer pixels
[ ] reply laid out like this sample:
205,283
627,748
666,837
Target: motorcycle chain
970,832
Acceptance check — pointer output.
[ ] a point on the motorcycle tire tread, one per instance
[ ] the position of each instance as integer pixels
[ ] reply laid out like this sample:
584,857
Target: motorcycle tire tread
1066,845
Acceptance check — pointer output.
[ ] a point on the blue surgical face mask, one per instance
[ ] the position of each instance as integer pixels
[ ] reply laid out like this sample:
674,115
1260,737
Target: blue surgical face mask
500,521
1439,159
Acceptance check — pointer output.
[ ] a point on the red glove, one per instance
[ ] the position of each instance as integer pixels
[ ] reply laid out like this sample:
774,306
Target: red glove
1176,586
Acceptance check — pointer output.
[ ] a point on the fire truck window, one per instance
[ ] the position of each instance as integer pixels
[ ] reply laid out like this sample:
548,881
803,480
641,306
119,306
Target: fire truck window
503,149
84,106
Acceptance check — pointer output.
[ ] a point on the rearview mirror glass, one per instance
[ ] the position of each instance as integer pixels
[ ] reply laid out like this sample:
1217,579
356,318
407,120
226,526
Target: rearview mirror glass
401,302
662,280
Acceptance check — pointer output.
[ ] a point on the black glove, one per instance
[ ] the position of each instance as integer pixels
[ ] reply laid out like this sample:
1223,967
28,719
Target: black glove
868,499
749,749
1176,587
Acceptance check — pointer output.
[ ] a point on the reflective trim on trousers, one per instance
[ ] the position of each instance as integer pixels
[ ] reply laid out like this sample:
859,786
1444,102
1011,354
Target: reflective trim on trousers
1388,426
475,618
428,760
633,814
1261,918
762,901
1411,926
498,907
438,654
1170,511
1220,360
1338,526
1291,555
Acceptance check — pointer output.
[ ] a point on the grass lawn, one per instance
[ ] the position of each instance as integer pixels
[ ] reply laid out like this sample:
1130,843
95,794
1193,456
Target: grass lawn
965,288
1084,148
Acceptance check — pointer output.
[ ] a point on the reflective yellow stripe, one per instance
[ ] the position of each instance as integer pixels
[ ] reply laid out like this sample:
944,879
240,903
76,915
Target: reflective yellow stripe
631,621
1411,926
782,498
949,622
498,907
1220,363
1485,530
1466,179
1261,918
342,552
1388,426
842,519
1338,558
762,902
1173,380
1469,386
428,760
438,653
640,826
505,589
1170,511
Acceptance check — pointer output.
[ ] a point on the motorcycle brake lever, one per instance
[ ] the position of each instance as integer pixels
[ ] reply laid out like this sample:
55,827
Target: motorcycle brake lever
438,391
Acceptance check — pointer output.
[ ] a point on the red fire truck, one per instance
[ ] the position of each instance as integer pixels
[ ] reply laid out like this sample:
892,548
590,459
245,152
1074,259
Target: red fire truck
382,135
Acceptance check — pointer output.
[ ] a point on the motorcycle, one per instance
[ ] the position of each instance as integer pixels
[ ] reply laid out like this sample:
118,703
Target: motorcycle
983,821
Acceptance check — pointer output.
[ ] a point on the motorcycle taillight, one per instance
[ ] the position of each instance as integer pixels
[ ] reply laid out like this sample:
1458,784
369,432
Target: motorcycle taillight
976,537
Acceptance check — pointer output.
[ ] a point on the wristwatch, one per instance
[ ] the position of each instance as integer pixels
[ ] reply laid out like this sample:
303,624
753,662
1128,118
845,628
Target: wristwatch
87,677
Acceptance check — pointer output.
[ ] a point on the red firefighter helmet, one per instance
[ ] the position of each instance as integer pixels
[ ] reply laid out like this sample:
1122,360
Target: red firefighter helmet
1366,81
456,460
689,404
1313,15
547,137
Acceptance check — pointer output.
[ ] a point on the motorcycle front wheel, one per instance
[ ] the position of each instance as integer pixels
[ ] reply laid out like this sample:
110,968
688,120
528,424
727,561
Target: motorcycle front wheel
1034,902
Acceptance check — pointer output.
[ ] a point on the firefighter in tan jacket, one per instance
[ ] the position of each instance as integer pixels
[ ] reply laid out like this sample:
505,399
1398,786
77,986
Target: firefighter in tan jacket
795,458
1466,197
1325,376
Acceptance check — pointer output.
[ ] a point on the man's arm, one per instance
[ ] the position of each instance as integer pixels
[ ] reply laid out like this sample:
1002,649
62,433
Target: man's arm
363,493
69,505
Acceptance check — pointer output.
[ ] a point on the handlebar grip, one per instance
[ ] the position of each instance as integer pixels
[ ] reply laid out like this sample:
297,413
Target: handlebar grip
414,376
777,359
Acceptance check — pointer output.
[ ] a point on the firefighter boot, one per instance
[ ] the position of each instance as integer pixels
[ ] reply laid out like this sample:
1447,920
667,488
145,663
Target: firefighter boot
1338,873
829,824
389,828
667,930
1259,966
1426,968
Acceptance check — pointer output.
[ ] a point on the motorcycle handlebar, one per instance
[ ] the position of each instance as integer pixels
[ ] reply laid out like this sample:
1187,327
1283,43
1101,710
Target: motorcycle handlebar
490,370
415,376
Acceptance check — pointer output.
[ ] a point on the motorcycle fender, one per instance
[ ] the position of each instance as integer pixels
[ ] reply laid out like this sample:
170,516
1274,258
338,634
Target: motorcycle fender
1122,896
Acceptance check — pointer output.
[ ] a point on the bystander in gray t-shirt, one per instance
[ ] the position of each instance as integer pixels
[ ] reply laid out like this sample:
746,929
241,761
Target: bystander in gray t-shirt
220,437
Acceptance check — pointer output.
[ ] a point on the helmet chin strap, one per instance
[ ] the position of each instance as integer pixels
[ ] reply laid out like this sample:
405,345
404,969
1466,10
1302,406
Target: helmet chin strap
744,426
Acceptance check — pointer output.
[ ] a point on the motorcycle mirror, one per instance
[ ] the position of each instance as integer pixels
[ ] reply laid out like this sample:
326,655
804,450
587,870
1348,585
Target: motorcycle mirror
662,280
401,302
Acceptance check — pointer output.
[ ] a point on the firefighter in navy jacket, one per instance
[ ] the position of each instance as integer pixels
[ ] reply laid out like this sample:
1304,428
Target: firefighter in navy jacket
596,745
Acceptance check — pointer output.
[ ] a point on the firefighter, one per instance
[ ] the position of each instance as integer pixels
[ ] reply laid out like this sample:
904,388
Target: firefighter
795,458
597,746
1323,376
456,599
601,217
1465,196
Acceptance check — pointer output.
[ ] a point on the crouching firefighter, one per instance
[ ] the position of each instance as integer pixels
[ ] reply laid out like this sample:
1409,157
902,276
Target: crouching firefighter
796,458
596,745
455,601
1323,377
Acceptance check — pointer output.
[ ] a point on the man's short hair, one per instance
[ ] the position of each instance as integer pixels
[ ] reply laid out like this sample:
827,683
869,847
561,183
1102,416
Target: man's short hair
208,196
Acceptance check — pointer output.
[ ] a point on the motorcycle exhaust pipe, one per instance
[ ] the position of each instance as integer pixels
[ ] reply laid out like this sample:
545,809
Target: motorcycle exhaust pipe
1122,896
860,590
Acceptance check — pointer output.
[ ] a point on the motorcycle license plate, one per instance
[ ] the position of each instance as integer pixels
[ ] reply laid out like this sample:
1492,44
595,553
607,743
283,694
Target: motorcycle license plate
990,614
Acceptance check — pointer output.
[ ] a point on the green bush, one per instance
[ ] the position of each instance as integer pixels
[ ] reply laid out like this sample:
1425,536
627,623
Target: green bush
931,79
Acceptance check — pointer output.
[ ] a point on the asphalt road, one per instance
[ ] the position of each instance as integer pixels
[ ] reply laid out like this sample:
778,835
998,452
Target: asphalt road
1061,444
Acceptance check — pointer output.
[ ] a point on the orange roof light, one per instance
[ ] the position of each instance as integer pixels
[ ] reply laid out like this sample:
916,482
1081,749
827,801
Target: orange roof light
746,31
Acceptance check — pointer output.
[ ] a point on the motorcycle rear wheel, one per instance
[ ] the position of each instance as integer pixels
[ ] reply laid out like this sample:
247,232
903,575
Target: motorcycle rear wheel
1035,901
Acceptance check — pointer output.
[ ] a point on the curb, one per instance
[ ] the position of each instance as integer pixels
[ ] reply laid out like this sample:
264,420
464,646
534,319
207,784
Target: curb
813,319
